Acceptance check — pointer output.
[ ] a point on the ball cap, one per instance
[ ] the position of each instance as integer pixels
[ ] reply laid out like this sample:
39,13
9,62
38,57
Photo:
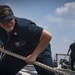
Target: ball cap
5,13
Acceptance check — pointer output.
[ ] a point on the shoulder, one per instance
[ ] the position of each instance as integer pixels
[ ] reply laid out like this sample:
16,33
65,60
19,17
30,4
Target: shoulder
22,21
72,44
26,24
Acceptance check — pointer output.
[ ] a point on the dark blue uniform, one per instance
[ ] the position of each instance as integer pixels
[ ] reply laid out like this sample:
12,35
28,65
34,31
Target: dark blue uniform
72,47
23,40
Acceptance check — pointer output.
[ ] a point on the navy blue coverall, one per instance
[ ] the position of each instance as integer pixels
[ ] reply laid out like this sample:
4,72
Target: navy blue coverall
23,40
72,55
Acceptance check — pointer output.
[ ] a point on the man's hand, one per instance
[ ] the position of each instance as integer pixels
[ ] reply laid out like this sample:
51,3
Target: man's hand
30,59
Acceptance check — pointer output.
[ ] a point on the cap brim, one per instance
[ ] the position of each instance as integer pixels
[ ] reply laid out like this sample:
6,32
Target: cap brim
7,18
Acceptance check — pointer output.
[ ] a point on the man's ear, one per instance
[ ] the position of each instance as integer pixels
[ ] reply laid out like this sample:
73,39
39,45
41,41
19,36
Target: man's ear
0,23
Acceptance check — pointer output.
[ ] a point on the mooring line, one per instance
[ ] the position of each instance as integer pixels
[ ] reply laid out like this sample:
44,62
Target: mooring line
35,63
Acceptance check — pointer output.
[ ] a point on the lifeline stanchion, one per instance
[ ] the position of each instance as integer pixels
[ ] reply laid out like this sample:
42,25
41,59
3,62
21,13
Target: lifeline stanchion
35,63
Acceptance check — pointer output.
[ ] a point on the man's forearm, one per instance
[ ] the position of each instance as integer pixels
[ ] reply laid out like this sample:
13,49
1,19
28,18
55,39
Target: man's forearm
44,40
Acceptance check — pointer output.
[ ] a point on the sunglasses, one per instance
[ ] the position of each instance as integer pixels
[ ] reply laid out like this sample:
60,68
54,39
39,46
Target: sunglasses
7,22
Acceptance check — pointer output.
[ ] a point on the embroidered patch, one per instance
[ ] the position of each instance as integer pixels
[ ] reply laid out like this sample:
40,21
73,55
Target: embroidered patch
21,43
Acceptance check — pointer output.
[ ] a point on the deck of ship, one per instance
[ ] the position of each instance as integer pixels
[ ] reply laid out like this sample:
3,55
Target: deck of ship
27,70
30,70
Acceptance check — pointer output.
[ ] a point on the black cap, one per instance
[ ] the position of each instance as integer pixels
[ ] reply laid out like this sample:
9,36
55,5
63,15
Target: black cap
5,13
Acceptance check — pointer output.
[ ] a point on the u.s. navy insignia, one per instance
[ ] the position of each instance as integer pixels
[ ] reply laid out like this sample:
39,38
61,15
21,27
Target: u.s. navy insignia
20,43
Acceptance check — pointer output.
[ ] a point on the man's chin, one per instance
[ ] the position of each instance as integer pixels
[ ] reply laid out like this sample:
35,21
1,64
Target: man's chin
9,30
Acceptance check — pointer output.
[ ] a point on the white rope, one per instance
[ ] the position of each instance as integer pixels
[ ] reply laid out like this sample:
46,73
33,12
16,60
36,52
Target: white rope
35,63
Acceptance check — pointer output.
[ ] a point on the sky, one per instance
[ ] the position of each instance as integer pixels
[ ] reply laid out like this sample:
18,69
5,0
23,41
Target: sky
56,16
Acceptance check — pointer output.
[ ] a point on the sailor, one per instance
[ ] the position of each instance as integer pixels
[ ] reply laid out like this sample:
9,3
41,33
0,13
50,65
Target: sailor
71,52
24,37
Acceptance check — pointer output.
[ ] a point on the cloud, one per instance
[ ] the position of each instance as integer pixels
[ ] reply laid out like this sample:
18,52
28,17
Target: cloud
68,8
65,39
54,18
64,15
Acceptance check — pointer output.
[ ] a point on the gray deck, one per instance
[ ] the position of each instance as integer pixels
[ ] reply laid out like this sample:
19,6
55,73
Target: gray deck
30,70
68,71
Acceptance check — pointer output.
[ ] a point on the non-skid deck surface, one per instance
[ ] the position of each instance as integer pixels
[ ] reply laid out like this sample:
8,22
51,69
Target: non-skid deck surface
30,70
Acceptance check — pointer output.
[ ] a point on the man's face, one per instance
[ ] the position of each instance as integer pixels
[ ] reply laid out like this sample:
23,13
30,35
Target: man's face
8,26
